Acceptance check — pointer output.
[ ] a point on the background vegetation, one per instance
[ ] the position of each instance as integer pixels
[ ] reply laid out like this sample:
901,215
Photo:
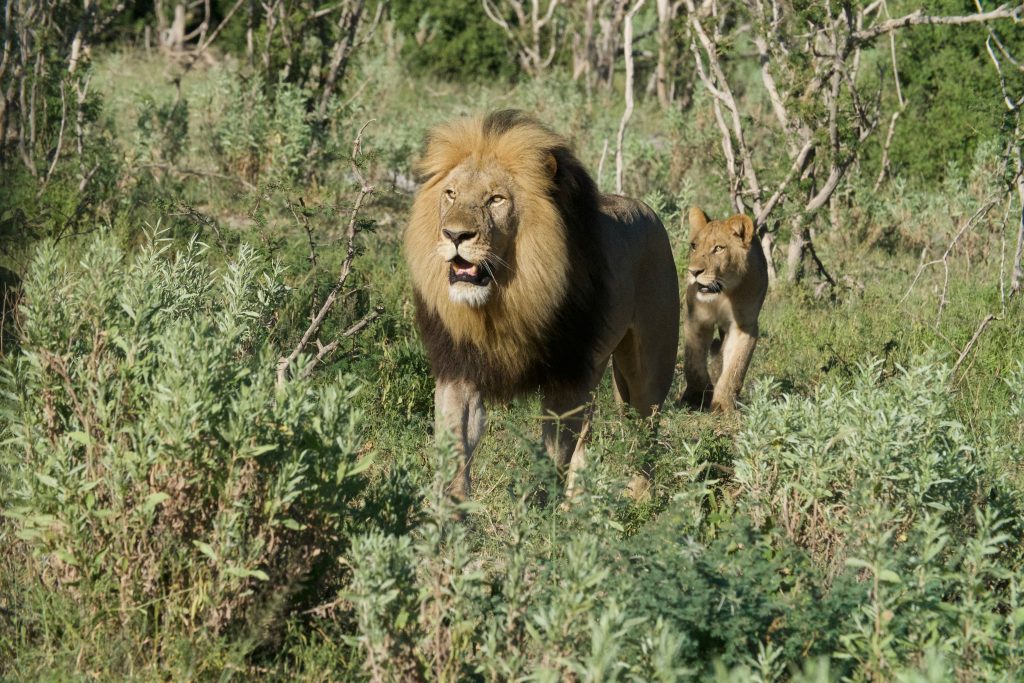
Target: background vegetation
216,458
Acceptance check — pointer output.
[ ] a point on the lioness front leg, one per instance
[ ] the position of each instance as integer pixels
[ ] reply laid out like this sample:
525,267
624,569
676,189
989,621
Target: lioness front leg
459,412
737,349
697,340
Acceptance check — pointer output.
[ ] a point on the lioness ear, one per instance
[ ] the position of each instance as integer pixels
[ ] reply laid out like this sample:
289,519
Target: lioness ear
697,219
743,228
551,164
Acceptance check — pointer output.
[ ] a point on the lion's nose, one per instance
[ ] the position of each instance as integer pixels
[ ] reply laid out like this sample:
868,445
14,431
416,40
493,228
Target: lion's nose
696,271
459,236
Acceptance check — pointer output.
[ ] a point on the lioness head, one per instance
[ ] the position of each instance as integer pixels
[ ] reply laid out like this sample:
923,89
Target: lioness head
718,252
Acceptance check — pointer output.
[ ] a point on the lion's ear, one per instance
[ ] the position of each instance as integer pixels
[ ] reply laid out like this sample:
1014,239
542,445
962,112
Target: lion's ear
697,219
551,164
743,228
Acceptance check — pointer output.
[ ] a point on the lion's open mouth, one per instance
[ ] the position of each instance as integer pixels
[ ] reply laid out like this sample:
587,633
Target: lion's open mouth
461,270
710,288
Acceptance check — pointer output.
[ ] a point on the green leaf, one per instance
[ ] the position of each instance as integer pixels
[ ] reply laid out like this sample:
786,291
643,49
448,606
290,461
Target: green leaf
80,437
152,500
66,557
889,576
359,467
247,573
253,451
206,549
47,480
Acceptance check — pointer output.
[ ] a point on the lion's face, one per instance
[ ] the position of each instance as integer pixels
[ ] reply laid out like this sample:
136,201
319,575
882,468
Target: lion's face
476,231
486,241
718,253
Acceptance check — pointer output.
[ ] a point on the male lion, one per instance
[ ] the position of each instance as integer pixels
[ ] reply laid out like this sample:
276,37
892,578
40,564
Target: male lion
727,283
526,277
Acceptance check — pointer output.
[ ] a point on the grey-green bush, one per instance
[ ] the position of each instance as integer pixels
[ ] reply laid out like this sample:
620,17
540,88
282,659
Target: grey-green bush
152,470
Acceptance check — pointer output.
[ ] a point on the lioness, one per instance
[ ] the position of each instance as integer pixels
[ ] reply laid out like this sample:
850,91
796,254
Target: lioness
727,279
525,277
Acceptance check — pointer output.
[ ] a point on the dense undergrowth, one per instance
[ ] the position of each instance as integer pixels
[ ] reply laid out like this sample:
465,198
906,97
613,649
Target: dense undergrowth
171,512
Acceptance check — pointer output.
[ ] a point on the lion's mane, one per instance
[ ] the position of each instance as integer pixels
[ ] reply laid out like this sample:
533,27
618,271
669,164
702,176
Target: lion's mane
541,328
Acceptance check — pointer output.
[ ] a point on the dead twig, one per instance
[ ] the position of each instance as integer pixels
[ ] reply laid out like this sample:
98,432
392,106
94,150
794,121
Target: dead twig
628,113
285,363
944,259
970,345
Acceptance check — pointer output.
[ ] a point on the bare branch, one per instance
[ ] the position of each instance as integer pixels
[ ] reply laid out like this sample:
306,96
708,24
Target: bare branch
285,362
944,259
919,18
628,46
328,349
967,349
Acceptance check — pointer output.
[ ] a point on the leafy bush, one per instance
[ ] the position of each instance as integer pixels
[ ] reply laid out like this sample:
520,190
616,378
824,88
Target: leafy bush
453,39
153,470
260,133
861,529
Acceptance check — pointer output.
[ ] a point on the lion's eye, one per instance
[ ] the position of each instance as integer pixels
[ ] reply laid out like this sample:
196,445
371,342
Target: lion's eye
496,200
718,248
450,193
693,245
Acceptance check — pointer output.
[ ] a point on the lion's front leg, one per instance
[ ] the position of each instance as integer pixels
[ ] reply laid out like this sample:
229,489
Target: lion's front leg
566,424
737,349
459,412
697,341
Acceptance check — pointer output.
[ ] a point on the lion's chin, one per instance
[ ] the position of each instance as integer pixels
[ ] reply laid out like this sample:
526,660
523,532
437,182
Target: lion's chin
469,294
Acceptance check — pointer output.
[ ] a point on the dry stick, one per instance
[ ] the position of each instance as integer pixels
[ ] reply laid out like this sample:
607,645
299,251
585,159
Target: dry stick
1006,11
170,168
985,208
325,350
896,114
1014,107
600,164
723,93
627,35
285,362
967,349
198,52
60,141
303,220
723,127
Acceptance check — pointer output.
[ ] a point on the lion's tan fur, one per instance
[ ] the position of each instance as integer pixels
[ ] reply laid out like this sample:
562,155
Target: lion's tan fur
725,254
578,278
510,325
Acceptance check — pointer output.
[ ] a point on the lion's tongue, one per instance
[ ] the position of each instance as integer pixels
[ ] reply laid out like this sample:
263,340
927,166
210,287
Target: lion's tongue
464,267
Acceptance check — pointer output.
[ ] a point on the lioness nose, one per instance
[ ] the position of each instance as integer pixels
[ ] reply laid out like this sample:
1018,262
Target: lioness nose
696,271
458,236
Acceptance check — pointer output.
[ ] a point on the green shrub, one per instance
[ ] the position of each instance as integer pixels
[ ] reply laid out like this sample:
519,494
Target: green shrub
453,39
152,469
257,132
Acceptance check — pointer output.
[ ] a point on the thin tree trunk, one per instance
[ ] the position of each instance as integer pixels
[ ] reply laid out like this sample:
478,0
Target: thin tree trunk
1017,281
664,45
628,113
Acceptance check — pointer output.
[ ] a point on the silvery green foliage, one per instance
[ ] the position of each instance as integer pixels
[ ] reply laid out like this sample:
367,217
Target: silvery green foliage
261,133
876,476
151,459
863,535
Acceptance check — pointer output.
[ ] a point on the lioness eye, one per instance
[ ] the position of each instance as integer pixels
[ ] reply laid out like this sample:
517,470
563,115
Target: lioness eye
693,245
497,200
